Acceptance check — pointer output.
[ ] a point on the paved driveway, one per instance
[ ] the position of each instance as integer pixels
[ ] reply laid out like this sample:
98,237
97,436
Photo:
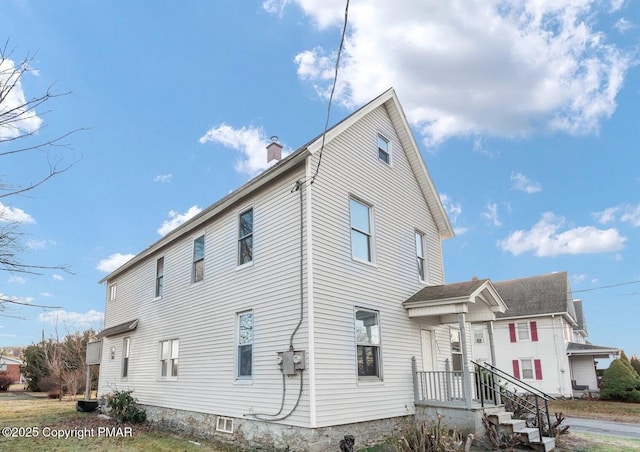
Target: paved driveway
603,427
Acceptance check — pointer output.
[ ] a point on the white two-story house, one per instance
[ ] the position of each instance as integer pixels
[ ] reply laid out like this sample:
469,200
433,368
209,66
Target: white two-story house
541,338
293,306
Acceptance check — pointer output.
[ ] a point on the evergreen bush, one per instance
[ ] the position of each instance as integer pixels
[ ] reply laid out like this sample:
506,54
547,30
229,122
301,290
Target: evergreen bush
620,383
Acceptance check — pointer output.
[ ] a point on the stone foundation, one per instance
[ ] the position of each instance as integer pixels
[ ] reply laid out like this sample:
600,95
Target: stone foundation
467,420
250,433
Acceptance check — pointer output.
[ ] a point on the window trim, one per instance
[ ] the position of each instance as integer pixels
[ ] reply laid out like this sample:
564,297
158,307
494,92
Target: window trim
113,291
159,281
251,235
377,347
478,329
522,368
520,330
126,354
370,235
421,259
170,359
386,151
456,353
195,262
244,377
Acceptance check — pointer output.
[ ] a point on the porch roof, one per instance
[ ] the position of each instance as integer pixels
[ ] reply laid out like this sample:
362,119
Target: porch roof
597,351
119,329
477,298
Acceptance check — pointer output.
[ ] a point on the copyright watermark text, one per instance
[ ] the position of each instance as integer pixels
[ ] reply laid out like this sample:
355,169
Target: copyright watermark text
67,433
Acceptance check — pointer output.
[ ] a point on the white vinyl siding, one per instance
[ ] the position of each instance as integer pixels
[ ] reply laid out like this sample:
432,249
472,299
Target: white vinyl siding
204,316
349,169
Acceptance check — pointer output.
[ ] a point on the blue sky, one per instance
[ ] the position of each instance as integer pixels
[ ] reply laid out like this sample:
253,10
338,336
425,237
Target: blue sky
528,118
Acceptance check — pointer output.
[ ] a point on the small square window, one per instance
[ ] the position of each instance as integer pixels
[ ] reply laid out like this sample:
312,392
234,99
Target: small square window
224,424
383,149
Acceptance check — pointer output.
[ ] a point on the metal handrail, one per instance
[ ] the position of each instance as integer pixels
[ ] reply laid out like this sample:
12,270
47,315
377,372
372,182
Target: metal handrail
533,408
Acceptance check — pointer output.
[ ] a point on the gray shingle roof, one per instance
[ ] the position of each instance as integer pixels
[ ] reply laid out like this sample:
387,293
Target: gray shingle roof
535,295
582,324
574,347
446,291
119,329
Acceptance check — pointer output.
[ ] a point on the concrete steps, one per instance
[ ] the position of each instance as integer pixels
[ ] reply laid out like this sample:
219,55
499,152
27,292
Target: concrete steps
531,436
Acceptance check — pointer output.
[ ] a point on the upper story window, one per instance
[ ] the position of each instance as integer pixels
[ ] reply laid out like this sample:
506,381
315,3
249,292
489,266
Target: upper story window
126,346
367,327
159,277
384,152
245,237
112,291
523,331
360,231
169,351
478,334
245,344
420,253
198,259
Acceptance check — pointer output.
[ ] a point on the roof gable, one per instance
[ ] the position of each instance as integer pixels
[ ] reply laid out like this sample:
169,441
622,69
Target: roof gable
536,295
390,101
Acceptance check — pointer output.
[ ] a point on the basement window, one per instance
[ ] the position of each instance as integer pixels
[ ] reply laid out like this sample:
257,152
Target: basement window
224,424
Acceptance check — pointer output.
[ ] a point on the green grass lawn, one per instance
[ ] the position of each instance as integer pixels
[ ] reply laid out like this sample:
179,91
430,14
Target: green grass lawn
39,424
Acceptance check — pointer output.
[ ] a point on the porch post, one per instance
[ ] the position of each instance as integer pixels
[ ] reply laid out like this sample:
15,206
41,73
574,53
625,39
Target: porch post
492,346
466,375
414,371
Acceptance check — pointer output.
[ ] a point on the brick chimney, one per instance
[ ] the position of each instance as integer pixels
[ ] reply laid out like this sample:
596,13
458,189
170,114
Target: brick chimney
274,150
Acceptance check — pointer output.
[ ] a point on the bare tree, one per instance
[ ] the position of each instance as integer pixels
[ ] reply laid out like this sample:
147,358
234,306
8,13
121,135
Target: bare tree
23,135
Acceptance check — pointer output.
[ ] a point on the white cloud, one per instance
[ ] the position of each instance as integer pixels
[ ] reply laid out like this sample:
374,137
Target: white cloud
113,262
631,214
545,240
578,279
523,183
16,279
58,277
163,178
176,219
19,300
250,142
79,320
491,214
479,147
29,121
503,68
616,5
623,25
453,209
460,230
46,294
607,215
14,215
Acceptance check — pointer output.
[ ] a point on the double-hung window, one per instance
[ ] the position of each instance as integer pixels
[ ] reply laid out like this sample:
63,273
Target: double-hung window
420,260
245,345
367,328
245,237
456,350
383,149
361,236
113,290
126,346
198,259
159,277
169,352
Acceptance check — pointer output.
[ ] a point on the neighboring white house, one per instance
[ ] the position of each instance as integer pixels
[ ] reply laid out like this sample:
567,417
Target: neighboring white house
541,338
12,367
279,309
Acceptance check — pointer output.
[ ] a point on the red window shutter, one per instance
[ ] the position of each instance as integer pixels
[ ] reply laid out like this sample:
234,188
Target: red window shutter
534,331
512,332
538,368
516,368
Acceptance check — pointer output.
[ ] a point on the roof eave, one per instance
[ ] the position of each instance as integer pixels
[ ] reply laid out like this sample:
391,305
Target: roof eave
257,182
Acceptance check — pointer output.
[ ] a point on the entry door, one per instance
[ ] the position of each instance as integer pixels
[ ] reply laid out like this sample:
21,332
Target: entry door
428,358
